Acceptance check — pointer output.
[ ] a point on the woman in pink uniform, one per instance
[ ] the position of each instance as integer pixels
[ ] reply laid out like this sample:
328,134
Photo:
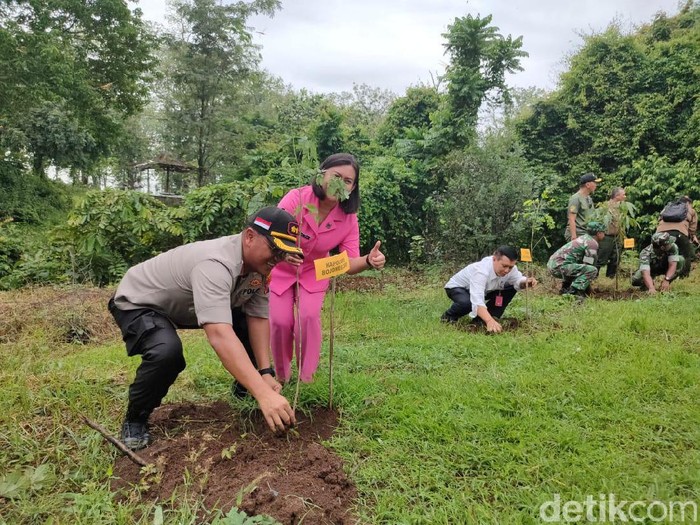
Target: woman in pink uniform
327,220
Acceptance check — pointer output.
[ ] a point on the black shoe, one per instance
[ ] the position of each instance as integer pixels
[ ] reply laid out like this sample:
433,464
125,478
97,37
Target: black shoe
135,434
565,287
447,319
238,390
580,295
584,293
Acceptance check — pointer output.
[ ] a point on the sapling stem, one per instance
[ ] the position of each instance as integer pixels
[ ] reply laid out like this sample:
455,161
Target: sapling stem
330,350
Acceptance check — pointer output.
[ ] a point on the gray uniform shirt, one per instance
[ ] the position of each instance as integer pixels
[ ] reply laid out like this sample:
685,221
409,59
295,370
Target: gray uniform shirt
195,284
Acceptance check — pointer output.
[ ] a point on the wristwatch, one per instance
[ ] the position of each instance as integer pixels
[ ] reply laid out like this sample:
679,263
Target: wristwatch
667,278
264,371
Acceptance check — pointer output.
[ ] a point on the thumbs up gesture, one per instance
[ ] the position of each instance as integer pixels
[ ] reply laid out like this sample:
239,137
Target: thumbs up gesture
376,258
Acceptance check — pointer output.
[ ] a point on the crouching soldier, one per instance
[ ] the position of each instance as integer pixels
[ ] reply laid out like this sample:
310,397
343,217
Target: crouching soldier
574,262
661,257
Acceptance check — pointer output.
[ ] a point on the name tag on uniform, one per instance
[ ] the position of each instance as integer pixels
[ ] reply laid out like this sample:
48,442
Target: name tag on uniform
499,300
332,266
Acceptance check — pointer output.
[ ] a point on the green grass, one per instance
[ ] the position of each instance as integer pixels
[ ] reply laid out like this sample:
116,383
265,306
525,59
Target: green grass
438,425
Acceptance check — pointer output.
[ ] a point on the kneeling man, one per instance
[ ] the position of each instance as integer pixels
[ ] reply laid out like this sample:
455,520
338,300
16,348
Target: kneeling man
574,262
661,257
485,288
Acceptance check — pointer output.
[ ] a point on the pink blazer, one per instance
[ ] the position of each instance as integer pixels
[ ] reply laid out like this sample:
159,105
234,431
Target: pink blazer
338,229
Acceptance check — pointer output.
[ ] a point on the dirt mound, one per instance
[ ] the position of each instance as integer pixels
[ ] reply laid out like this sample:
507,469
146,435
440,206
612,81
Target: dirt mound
620,295
377,281
209,452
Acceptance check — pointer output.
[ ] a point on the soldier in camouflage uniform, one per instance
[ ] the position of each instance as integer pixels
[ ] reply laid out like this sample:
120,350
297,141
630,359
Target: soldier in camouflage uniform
575,261
661,257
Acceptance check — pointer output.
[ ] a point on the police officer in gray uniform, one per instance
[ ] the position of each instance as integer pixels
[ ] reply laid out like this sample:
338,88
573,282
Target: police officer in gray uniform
219,285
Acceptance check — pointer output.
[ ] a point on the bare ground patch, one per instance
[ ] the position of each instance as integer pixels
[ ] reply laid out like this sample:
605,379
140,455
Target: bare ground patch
208,452
63,314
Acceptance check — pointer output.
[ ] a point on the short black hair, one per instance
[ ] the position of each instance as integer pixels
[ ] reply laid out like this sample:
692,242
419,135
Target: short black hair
352,204
508,251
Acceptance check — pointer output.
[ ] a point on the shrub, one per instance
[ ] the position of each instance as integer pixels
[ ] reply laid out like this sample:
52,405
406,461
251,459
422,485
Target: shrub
475,212
384,212
27,198
222,209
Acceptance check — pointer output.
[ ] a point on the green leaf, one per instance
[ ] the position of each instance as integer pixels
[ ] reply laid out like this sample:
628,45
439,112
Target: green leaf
158,515
14,484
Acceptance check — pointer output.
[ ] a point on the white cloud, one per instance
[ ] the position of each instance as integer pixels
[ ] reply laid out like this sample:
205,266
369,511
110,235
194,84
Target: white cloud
327,45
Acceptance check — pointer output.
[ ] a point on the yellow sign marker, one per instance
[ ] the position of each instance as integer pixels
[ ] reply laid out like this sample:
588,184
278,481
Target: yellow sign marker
332,266
628,243
525,255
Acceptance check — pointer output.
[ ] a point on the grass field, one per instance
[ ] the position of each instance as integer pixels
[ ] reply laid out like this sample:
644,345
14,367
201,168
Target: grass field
439,426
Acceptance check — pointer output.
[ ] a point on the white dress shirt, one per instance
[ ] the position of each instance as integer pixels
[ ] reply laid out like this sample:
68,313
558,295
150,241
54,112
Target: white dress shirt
480,278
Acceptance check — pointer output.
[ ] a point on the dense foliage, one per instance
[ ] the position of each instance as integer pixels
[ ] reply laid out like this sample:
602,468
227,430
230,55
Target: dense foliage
449,170
627,109
72,71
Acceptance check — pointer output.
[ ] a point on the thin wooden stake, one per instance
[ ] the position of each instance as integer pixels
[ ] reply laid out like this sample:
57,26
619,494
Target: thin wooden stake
527,292
617,269
330,350
114,441
298,348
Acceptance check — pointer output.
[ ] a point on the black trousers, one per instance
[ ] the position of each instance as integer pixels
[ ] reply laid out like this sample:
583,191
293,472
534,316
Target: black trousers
154,337
462,304
608,255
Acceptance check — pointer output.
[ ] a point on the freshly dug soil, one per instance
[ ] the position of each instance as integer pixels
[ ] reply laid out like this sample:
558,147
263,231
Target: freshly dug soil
621,295
509,324
209,451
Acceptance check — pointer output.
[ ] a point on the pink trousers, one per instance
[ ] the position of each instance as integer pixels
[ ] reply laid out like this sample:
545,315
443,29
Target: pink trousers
284,332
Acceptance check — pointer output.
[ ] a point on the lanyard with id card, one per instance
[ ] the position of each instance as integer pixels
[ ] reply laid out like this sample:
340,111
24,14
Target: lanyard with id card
499,300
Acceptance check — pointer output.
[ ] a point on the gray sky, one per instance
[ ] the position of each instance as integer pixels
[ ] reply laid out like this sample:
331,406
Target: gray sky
327,45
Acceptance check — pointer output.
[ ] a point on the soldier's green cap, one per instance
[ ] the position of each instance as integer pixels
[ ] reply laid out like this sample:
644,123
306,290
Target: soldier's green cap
663,239
594,227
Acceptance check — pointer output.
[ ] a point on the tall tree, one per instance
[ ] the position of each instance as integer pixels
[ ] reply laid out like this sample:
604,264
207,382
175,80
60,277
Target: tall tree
625,97
329,132
409,113
70,73
209,53
480,57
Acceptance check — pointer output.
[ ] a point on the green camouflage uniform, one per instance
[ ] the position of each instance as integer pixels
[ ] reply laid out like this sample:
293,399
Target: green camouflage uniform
656,261
575,262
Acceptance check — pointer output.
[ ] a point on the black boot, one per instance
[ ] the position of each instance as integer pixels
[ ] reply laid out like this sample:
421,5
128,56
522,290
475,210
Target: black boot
565,286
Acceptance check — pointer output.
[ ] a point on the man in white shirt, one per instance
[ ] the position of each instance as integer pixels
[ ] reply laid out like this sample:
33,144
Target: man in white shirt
485,288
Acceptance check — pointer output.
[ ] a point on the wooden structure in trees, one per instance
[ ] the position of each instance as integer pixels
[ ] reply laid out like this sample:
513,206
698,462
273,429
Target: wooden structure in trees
167,163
